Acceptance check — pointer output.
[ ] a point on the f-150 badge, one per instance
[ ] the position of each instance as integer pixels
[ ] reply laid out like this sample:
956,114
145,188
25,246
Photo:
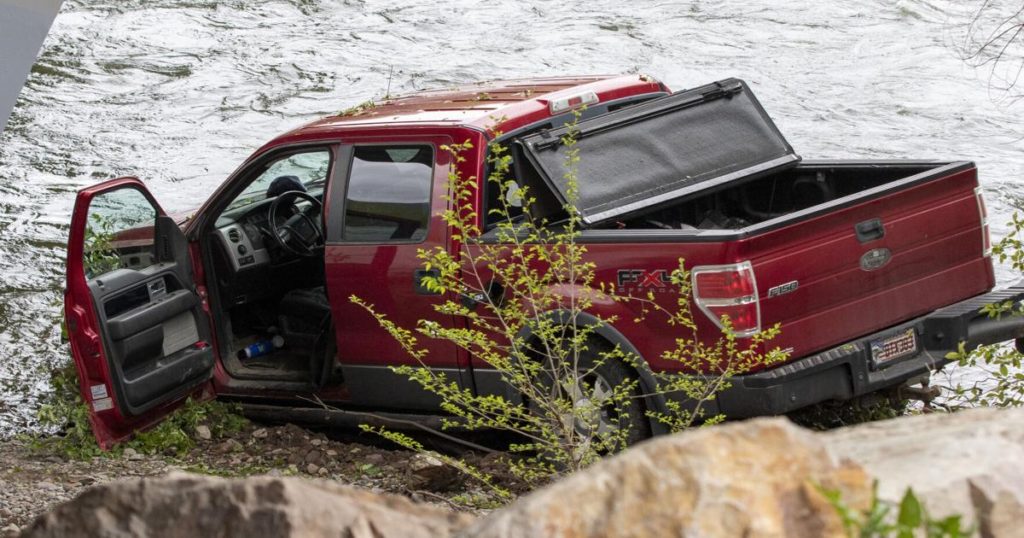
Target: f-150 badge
783,289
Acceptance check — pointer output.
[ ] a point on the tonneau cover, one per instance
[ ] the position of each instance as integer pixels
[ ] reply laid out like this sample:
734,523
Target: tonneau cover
663,150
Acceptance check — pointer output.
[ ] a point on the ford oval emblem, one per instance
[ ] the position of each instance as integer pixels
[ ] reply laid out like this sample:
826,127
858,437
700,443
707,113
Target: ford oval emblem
875,258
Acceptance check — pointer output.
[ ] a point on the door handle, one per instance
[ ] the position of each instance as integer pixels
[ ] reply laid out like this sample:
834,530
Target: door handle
870,230
417,280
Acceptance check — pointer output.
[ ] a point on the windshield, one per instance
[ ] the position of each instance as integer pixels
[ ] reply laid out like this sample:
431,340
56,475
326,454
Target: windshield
308,168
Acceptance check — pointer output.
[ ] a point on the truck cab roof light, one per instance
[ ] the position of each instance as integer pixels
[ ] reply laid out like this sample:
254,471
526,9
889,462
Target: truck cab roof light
557,106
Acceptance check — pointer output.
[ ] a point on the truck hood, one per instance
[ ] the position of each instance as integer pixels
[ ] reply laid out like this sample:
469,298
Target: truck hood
646,156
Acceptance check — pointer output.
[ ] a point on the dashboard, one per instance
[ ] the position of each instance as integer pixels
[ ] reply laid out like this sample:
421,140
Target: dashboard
243,241
245,236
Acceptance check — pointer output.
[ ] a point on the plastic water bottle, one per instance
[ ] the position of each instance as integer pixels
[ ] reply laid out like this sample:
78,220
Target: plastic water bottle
261,347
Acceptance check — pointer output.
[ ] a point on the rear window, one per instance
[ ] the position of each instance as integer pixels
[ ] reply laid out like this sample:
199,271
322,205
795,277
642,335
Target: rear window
388,196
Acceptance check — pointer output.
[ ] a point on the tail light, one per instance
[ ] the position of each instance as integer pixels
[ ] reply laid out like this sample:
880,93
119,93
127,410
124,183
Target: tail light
986,240
728,290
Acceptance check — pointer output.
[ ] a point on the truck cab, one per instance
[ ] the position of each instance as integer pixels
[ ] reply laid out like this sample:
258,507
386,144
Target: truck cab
162,307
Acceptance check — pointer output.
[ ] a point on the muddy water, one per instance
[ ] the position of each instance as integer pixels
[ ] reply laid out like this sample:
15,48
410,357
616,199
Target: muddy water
178,92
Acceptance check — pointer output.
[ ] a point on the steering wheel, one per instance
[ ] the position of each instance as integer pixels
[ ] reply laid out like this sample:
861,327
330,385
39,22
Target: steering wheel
300,234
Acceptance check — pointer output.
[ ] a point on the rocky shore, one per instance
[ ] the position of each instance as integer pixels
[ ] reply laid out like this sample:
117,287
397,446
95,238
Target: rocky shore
32,482
759,478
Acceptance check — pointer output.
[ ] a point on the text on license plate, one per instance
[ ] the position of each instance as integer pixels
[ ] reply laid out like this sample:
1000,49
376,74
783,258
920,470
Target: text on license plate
894,347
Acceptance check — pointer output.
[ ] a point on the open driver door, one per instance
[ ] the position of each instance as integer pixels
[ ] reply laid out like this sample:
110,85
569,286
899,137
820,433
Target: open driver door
139,336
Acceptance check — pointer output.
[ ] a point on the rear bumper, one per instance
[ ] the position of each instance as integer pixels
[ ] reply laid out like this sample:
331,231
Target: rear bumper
847,371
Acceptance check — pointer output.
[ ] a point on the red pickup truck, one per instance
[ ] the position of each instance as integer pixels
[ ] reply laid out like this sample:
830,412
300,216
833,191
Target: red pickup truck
875,269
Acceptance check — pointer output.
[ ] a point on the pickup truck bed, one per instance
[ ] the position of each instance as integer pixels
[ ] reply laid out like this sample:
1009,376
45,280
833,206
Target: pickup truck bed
845,255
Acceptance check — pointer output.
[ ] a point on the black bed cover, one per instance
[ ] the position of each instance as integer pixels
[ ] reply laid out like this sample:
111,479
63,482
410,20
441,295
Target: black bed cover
664,150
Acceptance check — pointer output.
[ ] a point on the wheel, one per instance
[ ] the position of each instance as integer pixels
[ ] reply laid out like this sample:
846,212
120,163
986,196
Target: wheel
600,381
597,380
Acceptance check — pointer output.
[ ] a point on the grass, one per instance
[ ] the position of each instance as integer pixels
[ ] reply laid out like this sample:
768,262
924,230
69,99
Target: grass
68,414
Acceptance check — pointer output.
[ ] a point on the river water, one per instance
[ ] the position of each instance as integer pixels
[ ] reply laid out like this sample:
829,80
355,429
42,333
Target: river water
179,92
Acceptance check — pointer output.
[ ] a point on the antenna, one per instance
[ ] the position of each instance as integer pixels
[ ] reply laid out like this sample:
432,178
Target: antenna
391,73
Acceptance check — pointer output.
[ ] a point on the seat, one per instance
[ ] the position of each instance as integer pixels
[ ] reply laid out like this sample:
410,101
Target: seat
303,315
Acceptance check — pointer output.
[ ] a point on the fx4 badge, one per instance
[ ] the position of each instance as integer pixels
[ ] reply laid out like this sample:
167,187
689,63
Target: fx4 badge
783,289
642,280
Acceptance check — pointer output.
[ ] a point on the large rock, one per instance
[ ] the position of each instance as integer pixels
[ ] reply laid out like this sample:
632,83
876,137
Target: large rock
190,505
752,479
756,479
969,463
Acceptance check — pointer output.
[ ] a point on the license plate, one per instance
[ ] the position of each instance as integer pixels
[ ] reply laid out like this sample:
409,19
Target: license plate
894,347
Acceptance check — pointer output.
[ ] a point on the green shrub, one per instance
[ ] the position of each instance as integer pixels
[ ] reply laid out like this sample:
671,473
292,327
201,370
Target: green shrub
995,370
577,397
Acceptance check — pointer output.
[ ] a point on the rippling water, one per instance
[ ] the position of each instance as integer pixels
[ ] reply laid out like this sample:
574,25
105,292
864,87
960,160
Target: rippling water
180,92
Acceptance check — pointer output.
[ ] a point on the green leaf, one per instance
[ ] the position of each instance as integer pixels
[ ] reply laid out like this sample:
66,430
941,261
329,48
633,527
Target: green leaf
910,514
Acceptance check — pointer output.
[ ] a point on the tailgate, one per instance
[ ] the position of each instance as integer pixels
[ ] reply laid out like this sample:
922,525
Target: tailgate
872,264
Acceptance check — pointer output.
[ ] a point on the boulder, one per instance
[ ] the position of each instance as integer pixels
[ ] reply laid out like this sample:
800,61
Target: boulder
755,479
759,478
188,505
969,463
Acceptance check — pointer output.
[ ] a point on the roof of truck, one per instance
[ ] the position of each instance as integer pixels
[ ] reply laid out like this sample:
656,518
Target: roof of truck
482,104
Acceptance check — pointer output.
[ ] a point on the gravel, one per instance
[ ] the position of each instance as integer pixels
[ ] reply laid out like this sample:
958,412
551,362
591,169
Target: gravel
30,483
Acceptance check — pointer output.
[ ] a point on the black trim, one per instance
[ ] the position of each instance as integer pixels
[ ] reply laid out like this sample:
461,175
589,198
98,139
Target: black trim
380,387
685,99
144,385
336,191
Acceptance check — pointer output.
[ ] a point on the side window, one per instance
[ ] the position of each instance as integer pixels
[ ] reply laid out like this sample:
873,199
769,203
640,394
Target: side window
308,168
119,233
506,199
388,196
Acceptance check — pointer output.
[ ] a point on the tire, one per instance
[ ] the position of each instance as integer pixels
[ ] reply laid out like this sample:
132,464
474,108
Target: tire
604,376
634,414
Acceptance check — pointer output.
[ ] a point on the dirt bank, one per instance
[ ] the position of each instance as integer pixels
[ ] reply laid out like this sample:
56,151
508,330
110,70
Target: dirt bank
32,481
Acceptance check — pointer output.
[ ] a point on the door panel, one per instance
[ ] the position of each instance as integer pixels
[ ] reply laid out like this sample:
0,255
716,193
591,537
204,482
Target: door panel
384,211
152,335
139,336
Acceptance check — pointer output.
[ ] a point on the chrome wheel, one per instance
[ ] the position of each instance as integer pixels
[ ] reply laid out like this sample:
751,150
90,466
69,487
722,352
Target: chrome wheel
593,414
